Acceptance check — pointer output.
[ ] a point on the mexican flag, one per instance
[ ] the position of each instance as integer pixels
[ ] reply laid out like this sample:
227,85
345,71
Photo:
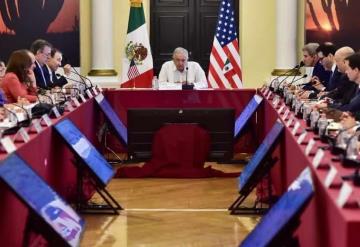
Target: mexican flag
137,65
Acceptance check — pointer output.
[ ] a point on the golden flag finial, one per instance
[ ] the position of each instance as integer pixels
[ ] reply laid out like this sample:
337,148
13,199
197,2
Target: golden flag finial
136,3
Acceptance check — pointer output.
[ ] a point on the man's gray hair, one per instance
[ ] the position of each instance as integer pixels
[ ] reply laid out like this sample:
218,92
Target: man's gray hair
311,48
182,51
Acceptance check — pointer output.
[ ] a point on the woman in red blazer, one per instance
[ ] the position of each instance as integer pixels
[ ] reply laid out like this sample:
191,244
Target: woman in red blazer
19,82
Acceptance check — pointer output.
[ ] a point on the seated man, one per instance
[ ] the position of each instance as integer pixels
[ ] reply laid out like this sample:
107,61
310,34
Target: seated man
179,71
313,54
42,51
52,65
353,73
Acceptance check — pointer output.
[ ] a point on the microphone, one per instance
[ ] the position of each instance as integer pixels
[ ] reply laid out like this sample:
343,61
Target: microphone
297,67
81,82
45,108
83,78
187,86
27,121
14,129
42,93
298,79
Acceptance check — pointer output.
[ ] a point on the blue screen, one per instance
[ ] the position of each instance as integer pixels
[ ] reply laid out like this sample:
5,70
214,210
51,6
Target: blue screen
260,153
246,114
86,151
111,116
42,199
286,208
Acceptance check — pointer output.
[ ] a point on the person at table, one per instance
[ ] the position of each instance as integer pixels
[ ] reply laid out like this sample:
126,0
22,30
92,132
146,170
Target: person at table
179,70
42,51
353,73
2,69
19,81
52,65
345,89
313,54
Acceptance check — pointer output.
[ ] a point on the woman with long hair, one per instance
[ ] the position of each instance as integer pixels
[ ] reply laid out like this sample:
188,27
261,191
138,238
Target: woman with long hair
19,82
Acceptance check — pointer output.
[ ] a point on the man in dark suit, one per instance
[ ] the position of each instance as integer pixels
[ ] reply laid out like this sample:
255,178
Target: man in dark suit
353,73
311,58
42,51
344,89
52,66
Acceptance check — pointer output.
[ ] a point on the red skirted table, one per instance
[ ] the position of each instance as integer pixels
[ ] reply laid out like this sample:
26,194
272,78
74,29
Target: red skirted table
48,155
178,151
323,223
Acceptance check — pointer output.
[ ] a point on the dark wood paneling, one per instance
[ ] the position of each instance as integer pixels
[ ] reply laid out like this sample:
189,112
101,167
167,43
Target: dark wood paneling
187,23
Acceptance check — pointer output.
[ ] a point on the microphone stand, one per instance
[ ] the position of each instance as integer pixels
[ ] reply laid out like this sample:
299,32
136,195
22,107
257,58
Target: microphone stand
27,121
284,74
83,78
14,129
187,86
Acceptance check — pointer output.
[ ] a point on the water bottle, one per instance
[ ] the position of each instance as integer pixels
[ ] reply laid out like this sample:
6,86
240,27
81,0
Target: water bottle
352,151
322,124
155,83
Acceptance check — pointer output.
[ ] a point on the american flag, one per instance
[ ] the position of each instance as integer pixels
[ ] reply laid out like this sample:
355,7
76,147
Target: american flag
133,71
225,68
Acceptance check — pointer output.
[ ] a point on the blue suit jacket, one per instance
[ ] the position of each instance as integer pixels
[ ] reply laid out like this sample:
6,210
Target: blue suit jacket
335,80
41,81
321,73
354,105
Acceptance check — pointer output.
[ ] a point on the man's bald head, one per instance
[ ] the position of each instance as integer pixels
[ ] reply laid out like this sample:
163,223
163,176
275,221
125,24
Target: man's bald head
340,56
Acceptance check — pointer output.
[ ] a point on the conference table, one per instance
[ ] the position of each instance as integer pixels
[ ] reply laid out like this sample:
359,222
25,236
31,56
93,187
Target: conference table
323,222
50,157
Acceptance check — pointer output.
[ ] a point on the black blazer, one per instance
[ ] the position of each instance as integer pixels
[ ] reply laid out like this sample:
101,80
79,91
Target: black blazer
354,104
58,82
345,91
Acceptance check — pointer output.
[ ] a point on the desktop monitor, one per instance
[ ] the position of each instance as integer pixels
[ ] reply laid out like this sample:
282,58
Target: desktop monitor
42,200
88,154
116,124
246,114
251,169
144,122
282,219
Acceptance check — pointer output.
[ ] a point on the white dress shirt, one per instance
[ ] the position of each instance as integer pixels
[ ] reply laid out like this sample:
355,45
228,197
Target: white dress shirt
171,78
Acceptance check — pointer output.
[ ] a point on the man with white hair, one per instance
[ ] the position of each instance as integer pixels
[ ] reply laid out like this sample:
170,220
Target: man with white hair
179,71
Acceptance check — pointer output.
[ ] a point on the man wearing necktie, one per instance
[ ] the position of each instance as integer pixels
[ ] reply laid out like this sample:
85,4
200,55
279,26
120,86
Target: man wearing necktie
53,65
42,51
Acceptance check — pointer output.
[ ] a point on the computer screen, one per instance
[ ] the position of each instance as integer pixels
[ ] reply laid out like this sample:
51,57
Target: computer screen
85,150
144,122
115,122
42,199
261,152
246,114
287,209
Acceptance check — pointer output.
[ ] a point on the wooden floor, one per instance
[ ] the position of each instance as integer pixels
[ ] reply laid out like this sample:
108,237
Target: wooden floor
171,212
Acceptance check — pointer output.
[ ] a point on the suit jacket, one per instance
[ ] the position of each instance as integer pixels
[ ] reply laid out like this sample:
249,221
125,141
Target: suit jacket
57,82
335,80
321,73
41,75
344,92
353,105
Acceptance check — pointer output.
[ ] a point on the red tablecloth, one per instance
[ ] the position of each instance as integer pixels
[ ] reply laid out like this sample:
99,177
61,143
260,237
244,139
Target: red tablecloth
178,151
122,100
323,223
48,155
